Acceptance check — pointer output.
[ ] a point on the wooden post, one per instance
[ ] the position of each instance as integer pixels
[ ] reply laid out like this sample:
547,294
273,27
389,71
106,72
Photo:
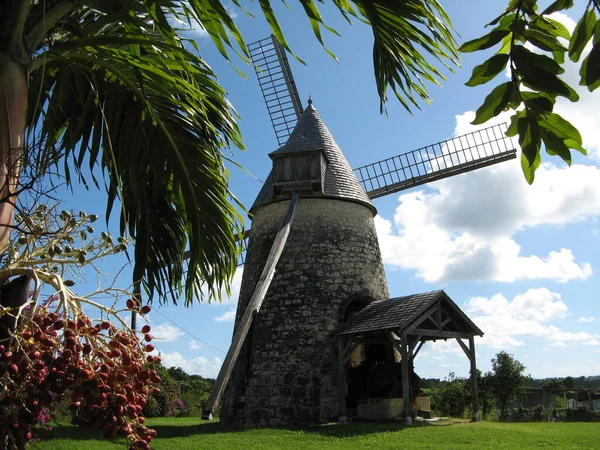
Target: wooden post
342,382
476,413
405,379
254,304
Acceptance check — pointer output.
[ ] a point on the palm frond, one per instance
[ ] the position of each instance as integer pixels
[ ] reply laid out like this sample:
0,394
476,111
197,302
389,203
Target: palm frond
135,104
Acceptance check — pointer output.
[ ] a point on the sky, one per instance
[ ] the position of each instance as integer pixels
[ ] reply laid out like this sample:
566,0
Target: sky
522,261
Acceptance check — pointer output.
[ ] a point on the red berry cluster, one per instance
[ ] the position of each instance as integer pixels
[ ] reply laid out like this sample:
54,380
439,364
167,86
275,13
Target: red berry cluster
100,369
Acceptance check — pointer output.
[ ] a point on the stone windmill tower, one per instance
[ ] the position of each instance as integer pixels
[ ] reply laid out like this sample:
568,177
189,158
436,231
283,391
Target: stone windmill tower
288,370
313,258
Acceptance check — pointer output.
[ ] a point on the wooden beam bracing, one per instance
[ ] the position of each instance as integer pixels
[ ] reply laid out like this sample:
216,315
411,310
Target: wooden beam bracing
438,334
395,342
405,379
418,349
342,382
465,349
476,413
254,304
423,317
349,349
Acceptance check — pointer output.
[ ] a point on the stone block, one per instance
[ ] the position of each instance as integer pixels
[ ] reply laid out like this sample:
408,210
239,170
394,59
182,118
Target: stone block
380,408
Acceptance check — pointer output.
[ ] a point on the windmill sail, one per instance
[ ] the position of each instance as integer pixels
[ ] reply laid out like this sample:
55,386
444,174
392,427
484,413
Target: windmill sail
460,154
451,157
277,85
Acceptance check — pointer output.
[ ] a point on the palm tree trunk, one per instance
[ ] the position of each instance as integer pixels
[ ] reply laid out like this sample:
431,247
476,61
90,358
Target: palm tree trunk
13,110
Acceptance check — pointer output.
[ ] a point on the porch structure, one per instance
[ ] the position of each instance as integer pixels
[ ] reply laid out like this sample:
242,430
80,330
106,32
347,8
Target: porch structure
407,322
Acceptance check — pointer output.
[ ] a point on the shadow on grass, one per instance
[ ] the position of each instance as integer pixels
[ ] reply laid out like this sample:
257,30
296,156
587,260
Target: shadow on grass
203,428
164,431
360,428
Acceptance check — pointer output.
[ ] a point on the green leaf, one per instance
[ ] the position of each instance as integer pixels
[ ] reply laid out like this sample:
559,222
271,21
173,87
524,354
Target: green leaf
527,59
483,42
538,103
530,143
529,6
504,21
551,26
590,69
558,5
563,129
559,57
543,40
556,146
488,70
582,34
538,72
494,103
513,129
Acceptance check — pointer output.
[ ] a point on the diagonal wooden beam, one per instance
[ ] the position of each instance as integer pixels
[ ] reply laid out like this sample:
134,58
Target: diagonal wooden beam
349,349
423,317
414,342
254,304
418,349
465,348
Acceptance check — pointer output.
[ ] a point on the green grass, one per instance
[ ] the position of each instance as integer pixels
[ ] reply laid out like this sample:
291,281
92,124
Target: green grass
191,433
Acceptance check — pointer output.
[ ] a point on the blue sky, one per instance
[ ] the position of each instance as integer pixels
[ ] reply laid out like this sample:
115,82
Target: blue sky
521,260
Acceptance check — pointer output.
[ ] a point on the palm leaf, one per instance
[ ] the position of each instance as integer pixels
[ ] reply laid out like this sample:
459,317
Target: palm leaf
138,106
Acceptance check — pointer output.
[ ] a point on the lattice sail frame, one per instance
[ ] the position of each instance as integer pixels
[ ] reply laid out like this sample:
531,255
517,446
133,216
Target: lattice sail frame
277,85
460,154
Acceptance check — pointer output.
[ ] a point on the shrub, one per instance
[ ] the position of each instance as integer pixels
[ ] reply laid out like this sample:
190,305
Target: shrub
451,398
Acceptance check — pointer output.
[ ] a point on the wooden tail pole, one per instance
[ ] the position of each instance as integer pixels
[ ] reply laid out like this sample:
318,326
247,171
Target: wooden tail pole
254,304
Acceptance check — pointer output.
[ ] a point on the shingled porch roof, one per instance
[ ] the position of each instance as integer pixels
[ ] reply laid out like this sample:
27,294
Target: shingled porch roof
433,315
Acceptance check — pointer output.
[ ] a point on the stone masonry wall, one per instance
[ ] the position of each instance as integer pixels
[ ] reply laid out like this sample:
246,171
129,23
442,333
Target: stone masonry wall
287,374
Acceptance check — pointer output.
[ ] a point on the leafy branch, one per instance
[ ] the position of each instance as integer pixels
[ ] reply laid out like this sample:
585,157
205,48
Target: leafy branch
535,84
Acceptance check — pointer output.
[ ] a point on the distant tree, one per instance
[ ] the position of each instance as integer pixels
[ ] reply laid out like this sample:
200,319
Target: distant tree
553,384
486,398
505,379
178,374
569,382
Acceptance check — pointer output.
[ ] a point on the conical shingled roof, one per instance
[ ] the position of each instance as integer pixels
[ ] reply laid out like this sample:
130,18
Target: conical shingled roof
312,134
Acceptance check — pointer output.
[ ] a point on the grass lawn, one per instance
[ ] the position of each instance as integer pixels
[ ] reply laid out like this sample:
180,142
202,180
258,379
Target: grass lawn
191,433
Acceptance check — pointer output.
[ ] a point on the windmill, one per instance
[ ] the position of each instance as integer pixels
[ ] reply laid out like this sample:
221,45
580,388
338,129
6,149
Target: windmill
313,261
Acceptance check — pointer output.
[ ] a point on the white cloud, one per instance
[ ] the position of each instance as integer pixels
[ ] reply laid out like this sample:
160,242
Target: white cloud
535,304
506,322
229,316
207,367
194,345
588,319
463,227
166,332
